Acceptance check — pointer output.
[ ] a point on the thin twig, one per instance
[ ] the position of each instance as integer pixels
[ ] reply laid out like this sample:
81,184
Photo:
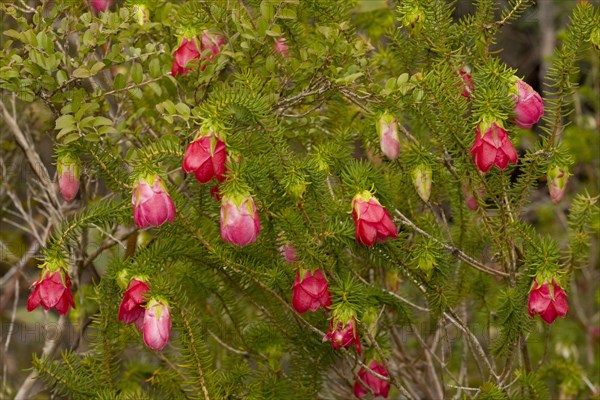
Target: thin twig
108,243
9,334
136,85
228,347
456,252
290,101
402,299
472,340
391,379
49,347
32,156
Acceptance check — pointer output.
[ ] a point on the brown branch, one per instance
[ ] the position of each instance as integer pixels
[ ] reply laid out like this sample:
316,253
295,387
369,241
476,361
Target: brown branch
50,347
30,152
290,101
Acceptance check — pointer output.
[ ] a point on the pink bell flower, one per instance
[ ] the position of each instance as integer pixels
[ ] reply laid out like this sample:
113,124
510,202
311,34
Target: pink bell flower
373,222
132,306
310,291
379,387
53,289
205,157
547,300
239,220
157,325
529,106
343,335
152,205
492,147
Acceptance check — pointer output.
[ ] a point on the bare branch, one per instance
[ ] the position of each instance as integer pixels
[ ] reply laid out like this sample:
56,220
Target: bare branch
32,156
455,251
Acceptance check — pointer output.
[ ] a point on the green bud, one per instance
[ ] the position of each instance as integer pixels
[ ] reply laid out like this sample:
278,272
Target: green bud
426,263
322,165
422,181
482,42
413,19
392,280
296,188
141,13
123,279
557,182
369,318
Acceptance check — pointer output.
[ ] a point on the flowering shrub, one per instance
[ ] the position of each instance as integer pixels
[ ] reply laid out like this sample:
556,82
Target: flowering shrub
183,181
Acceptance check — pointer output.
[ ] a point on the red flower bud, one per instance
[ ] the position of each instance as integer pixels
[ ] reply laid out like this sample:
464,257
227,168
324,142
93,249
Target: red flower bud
152,204
280,47
239,220
68,178
289,253
469,197
422,181
492,147
344,335
373,222
378,386
186,52
529,106
100,5
215,193
157,325
205,156
132,306
468,83
212,43
310,291
547,301
53,289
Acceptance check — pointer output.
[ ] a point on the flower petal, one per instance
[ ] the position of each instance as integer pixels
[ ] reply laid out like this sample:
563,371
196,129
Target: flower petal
34,299
485,157
371,211
366,233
